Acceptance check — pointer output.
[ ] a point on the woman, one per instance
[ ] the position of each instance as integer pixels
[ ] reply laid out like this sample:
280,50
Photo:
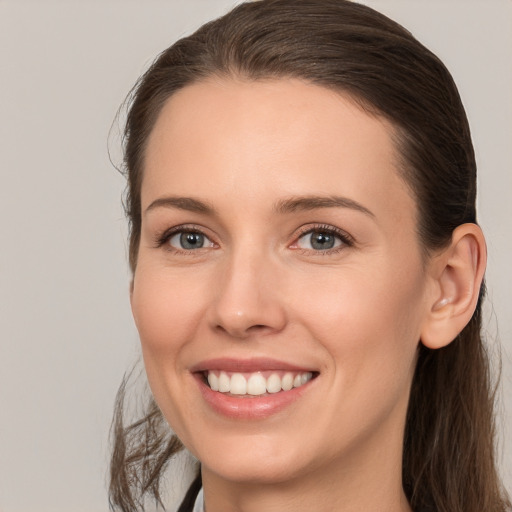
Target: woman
307,270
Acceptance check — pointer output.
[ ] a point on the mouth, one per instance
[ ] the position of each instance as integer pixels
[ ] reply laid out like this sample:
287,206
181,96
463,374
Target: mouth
258,383
252,389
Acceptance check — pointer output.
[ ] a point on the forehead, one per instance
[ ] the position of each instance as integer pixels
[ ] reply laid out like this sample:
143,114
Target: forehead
227,136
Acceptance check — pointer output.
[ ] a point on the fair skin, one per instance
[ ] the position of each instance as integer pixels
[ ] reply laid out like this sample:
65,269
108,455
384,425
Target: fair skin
277,237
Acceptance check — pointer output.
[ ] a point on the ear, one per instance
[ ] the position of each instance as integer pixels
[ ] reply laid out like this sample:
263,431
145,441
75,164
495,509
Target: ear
457,273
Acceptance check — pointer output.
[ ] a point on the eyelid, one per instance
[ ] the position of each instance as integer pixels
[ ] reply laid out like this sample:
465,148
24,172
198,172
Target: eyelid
161,238
346,239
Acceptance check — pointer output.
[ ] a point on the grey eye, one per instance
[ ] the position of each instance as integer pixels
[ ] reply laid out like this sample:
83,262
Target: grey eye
189,240
319,241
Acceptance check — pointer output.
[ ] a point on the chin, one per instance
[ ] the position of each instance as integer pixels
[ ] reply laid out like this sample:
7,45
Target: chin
250,471
254,459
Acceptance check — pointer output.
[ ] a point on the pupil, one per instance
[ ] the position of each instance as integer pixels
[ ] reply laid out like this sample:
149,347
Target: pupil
322,241
191,240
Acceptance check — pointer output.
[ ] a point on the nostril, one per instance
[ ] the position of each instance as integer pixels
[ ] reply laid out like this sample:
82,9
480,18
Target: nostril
243,332
258,328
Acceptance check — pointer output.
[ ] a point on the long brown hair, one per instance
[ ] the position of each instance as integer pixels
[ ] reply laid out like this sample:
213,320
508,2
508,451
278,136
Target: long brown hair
448,451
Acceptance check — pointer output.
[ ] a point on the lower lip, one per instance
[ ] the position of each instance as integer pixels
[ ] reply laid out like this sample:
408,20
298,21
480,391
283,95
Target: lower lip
249,407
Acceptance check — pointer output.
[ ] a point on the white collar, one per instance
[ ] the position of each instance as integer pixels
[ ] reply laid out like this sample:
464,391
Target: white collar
199,503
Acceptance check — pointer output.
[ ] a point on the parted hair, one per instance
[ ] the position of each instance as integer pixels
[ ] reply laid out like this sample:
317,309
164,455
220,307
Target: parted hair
449,444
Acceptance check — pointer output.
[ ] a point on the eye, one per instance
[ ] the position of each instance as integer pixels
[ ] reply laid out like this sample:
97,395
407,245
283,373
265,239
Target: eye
189,240
324,239
318,241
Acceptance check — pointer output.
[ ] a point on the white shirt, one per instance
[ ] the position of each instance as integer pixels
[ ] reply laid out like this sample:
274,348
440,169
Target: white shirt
199,503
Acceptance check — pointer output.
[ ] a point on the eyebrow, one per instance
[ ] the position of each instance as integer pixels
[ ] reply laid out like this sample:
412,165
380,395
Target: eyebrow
303,203
293,204
182,203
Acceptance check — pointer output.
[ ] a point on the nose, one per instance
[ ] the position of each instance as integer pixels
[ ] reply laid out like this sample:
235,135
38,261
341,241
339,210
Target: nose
249,300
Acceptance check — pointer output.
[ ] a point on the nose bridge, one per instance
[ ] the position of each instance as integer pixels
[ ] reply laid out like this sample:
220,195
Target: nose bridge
247,301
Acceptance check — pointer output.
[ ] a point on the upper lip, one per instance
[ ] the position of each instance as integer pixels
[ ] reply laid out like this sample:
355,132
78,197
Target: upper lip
247,365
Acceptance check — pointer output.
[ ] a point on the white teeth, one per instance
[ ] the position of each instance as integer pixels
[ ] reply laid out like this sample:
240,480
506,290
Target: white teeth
305,377
287,382
224,383
213,380
274,383
255,383
238,384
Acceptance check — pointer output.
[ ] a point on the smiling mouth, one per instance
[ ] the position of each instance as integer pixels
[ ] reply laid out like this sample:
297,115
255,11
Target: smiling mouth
260,383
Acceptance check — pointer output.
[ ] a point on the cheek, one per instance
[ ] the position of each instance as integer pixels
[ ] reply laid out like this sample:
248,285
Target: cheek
167,309
167,313
369,321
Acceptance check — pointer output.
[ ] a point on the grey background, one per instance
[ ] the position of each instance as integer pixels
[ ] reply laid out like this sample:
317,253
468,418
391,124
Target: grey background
67,333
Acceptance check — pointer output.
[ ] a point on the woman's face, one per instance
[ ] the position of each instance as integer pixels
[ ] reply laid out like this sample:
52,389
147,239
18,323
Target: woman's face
279,258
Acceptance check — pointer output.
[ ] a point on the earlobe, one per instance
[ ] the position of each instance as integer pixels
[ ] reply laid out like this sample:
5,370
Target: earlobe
458,274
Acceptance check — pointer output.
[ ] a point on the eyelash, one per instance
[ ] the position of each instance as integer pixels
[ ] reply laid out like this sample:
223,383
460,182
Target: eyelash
346,240
163,238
